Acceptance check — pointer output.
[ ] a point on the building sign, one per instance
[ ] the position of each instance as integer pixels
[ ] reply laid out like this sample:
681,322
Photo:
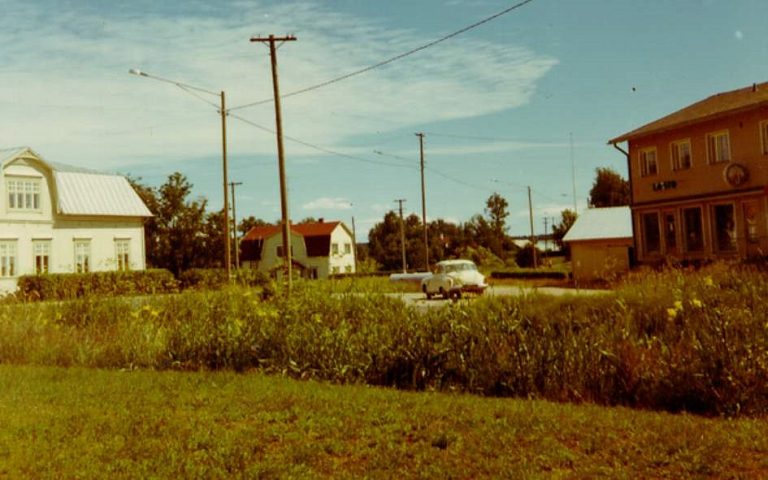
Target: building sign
735,174
666,185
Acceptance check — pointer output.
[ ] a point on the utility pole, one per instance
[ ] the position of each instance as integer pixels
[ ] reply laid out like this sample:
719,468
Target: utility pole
286,221
533,238
354,244
573,174
546,237
227,252
232,185
400,201
424,203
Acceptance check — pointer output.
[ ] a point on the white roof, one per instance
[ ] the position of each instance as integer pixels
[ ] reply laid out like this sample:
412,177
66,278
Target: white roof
601,224
86,192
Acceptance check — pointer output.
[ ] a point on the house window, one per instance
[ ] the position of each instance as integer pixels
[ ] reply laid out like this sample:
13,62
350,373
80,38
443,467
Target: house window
41,251
681,154
7,258
725,227
347,248
648,165
670,232
718,147
23,194
694,238
348,269
280,251
335,248
336,270
651,234
122,254
764,136
82,256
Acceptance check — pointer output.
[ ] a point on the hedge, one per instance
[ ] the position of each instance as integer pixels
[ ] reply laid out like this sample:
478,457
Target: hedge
65,286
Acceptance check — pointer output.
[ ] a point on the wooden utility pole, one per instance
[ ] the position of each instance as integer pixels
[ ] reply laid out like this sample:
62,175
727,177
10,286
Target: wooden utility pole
232,185
424,203
354,244
533,238
227,252
400,201
286,221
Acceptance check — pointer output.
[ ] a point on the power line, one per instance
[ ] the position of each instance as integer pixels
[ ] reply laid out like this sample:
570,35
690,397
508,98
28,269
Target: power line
392,59
319,148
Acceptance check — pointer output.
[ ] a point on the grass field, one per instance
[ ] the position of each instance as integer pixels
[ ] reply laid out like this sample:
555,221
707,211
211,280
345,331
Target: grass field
89,423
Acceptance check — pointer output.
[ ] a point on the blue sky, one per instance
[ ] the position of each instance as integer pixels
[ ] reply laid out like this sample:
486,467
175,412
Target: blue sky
498,104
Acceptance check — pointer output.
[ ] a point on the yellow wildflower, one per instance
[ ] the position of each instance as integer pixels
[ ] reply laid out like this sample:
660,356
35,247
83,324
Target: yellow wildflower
678,305
697,303
671,313
708,282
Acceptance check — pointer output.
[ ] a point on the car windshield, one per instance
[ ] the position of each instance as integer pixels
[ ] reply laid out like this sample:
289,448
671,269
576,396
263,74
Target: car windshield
460,267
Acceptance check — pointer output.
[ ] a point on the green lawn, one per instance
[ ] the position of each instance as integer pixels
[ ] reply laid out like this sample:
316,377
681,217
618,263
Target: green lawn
88,423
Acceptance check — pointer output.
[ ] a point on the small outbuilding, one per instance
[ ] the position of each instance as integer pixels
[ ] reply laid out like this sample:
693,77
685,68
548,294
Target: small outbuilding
601,242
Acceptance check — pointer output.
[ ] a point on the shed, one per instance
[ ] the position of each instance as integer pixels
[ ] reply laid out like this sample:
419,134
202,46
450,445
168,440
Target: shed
600,241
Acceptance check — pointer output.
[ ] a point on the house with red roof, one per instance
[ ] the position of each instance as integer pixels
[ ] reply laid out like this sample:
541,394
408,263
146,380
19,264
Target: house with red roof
699,179
318,249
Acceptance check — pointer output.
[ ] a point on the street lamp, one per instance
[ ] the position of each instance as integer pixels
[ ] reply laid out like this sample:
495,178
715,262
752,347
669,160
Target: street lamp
223,111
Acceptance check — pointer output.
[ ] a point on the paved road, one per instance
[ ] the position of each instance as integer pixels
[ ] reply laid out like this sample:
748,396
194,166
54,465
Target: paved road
418,300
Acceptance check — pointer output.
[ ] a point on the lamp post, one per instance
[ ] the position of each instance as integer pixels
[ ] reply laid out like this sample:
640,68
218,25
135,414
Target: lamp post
223,111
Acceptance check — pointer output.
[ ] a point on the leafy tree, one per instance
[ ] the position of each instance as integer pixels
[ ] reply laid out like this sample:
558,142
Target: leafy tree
496,211
150,198
609,189
248,223
179,241
568,217
384,242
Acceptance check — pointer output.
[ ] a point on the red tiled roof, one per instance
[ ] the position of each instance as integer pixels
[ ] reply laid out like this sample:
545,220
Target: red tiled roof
712,107
316,229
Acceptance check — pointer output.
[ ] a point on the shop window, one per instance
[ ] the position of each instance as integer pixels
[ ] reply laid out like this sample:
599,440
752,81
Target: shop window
651,234
725,227
694,235
670,232
750,222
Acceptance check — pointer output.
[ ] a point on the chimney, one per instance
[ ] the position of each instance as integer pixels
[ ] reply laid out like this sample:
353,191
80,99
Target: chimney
754,87
320,220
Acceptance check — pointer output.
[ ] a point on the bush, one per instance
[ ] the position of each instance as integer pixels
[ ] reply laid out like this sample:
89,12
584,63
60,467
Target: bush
65,286
671,340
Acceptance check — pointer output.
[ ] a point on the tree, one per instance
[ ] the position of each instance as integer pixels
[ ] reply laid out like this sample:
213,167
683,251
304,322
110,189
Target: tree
609,189
568,217
149,196
179,241
496,211
248,223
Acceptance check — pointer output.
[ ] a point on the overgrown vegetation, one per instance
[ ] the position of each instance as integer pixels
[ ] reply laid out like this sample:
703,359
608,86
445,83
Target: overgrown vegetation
694,341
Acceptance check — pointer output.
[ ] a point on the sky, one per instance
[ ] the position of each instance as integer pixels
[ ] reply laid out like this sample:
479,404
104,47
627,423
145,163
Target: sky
528,99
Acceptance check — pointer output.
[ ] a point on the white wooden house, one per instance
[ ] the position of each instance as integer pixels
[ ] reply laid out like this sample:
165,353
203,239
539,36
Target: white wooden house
318,249
61,219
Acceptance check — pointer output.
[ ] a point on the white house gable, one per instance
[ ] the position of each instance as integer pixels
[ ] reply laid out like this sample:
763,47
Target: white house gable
60,219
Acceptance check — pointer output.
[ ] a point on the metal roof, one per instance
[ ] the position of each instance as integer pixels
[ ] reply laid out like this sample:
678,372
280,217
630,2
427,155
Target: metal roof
601,224
80,191
712,107
95,194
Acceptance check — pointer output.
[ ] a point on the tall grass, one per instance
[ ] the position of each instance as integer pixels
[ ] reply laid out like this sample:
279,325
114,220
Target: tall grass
695,341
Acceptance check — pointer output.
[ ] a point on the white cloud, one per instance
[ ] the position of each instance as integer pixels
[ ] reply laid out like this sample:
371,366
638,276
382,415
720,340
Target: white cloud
67,92
326,203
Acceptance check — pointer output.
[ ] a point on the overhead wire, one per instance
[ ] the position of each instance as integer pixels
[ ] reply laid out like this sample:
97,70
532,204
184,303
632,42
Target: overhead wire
391,59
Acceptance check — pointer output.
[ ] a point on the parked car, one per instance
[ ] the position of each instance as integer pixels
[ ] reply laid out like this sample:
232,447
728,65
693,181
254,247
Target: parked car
452,278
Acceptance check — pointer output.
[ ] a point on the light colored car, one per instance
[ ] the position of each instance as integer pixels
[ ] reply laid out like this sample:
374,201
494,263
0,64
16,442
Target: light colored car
451,278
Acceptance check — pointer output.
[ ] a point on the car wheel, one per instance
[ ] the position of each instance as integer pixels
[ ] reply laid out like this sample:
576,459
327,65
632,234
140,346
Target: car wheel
457,294
445,294
426,292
